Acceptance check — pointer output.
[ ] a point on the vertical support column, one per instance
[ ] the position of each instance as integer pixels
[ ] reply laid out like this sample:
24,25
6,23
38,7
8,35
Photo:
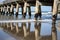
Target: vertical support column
1,10
54,32
17,9
11,12
22,10
4,10
17,28
7,13
11,9
54,10
7,10
29,11
1,13
37,30
25,9
24,29
38,10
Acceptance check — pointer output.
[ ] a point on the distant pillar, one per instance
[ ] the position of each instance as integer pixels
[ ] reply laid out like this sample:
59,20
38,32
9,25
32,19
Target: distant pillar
17,9
8,11
11,13
17,28
38,10
25,9
54,32
37,30
1,10
11,10
22,10
24,29
4,10
54,10
29,11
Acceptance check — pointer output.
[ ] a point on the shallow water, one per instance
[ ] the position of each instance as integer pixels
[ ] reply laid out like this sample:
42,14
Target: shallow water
45,31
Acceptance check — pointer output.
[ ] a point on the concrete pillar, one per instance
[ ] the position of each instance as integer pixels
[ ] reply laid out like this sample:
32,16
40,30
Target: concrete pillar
11,13
4,10
37,30
54,32
17,9
54,10
8,11
24,9
17,28
1,10
38,10
11,9
24,29
29,11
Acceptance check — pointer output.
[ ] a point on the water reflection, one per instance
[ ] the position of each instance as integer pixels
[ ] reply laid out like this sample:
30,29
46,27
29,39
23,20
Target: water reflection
31,30
37,30
54,32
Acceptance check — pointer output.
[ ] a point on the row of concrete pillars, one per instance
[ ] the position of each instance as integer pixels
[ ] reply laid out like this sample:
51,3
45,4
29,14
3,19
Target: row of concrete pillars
24,9
37,13
9,9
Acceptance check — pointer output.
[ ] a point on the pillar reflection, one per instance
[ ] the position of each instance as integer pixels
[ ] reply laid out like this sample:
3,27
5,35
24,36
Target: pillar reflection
37,30
54,31
24,29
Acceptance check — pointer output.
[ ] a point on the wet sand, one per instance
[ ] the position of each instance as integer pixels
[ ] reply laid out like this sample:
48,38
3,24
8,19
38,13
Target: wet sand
45,29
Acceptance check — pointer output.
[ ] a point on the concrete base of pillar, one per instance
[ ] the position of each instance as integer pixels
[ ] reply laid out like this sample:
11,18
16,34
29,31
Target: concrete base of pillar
16,14
11,13
36,16
54,17
24,15
7,13
3,13
29,14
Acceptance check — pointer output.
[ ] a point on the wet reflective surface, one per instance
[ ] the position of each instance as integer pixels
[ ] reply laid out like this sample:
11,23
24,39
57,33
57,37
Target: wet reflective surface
31,30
